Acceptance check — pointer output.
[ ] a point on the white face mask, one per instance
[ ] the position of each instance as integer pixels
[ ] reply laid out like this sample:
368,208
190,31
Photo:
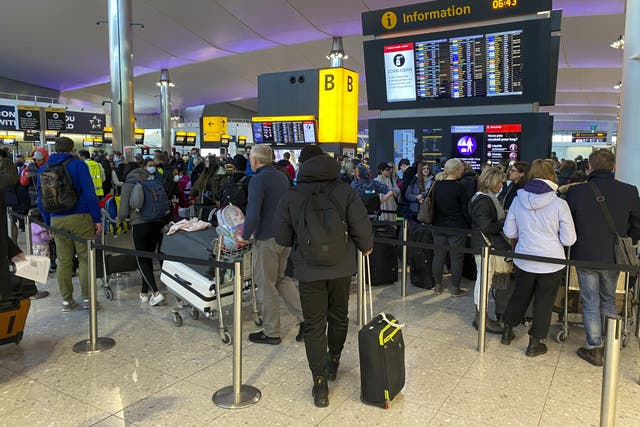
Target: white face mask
176,178
151,170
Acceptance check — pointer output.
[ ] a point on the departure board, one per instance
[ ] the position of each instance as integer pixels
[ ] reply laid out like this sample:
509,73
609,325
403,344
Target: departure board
284,130
496,64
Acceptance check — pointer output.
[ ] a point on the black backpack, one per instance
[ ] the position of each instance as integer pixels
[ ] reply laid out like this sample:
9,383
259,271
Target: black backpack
235,193
371,199
56,188
322,234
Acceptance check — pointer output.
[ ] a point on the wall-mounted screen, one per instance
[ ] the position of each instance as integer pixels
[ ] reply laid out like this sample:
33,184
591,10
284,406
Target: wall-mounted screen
284,130
8,141
477,139
507,63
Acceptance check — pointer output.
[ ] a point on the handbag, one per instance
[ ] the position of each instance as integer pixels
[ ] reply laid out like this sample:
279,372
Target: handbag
623,251
426,213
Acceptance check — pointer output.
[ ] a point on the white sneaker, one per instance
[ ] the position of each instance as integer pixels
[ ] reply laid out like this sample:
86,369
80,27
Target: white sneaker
156,299
144,297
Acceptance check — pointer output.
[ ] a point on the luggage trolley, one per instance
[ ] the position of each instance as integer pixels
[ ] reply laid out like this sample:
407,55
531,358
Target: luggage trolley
571,284
116,234
204,295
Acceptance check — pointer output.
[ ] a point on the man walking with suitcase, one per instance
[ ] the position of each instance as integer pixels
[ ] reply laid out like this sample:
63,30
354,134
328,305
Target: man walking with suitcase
595,243
325,221
266,188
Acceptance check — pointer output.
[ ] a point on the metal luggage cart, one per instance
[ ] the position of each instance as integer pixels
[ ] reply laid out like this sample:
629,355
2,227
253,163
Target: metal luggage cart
111,265
621,288
223,285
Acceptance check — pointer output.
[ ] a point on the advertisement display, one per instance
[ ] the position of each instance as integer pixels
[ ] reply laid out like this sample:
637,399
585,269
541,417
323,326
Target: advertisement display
7,117
400,74
83,123
404,142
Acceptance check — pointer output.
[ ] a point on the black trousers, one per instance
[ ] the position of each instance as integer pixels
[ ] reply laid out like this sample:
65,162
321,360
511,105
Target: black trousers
542,288
324,302
147,237
441,240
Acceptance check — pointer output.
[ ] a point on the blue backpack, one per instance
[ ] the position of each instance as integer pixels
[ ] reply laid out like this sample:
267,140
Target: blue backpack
150,200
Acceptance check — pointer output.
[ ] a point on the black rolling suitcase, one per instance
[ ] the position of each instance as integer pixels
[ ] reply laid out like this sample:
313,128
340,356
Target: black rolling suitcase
420,260
381,348
384,259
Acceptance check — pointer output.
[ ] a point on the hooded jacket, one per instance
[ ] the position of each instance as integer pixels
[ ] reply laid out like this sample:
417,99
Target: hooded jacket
135,176
542,223
320,173
82,183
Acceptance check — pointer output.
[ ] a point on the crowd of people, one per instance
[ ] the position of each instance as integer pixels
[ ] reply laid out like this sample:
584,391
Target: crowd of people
307,217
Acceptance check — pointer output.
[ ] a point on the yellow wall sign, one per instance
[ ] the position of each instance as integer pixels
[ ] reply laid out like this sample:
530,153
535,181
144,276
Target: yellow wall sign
213,127
338,106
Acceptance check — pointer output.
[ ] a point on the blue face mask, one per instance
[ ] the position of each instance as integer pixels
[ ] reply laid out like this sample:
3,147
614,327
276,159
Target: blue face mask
151,170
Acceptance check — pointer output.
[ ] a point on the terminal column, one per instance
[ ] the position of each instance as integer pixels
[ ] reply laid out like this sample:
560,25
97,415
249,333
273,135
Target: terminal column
121,70
165,109
628,146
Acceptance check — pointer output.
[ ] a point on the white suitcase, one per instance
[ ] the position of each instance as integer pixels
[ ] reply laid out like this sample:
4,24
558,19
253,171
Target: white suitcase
196,290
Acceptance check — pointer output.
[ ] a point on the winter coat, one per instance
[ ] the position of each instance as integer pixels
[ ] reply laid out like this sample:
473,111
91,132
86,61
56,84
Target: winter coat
484,220
318,173
451,204
510,193
542,223
266,188
82,183
390,204
135,176
595,241
470,182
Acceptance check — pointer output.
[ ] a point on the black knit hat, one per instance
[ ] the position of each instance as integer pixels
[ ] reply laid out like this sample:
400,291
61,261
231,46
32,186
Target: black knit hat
239,162
308,152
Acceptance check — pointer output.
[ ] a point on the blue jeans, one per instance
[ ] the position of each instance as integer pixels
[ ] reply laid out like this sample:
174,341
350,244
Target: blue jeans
598,294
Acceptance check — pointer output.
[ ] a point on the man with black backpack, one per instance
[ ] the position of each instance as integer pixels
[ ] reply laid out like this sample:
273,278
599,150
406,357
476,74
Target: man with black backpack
236,189
369,191
67,201
324,220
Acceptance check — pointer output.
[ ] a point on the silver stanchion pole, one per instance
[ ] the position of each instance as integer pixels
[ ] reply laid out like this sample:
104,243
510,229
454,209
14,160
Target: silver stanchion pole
484,294
610,372
27,234
360,295
94,344
405,232
238,395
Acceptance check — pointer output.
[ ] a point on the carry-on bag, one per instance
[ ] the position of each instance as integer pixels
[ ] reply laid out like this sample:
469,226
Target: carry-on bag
384,268
13,316
420,260
381,347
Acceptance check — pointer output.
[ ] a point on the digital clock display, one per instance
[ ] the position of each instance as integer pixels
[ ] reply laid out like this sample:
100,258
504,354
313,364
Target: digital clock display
503,4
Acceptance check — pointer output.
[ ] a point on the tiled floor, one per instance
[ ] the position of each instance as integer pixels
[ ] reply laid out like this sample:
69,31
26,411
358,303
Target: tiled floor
158,374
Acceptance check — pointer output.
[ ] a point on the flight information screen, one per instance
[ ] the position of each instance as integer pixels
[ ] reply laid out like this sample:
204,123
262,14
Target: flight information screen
284,130
505,63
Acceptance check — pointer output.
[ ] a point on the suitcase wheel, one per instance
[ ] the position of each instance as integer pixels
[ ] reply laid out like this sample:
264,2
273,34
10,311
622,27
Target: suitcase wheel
225,338
108,293
177,320
561,336
194,313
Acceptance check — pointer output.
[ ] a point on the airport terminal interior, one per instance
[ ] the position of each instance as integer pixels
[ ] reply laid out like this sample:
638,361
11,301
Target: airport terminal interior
490,82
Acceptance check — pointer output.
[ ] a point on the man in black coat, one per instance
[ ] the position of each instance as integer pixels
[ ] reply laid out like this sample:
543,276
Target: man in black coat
324,289
595,243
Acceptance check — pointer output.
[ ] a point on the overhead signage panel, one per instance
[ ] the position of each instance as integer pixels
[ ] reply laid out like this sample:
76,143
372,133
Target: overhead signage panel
338,106
55,118
7,117
442,13
28,117
213,127
83,122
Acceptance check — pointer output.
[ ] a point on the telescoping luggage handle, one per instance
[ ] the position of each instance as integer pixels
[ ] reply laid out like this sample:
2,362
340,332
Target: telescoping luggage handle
367,284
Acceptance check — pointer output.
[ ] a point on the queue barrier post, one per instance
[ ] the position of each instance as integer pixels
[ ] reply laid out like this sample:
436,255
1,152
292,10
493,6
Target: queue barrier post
237,395
360,302
610,371
484,293
94,344
27,234
405,233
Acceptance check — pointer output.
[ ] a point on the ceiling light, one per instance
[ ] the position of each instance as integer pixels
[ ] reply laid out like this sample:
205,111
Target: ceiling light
618,106
337,54
618,117
618,43
618,85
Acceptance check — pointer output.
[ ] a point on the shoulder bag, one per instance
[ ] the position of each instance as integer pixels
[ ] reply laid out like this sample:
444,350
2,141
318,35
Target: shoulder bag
623,251
426,212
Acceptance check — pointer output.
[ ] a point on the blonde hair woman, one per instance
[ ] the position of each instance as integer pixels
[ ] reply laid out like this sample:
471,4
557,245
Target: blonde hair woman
451,204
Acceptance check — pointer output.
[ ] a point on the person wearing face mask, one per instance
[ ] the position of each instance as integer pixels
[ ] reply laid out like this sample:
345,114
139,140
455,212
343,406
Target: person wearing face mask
147,233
